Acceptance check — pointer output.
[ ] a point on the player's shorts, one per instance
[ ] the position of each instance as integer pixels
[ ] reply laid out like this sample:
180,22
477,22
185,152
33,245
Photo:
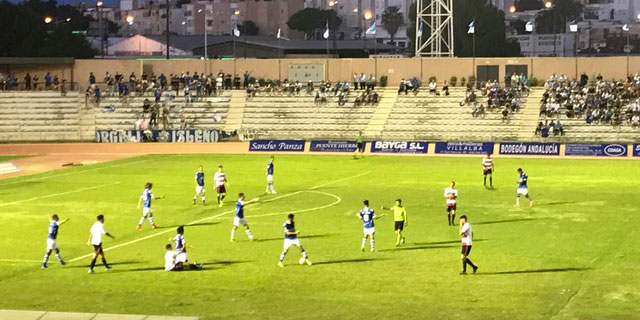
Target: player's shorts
487,171
221,189
291,242
146,211
97,248
369,231
523,191
239,221
360,146
269,178
52,244
466,250
176,267
452,207
399,225
199,189
181,257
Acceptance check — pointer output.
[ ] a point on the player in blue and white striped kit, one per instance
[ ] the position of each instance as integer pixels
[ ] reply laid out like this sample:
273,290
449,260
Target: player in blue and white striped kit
270,188
367,215
199,185
522,188
239,217
291,239
146,198
52,244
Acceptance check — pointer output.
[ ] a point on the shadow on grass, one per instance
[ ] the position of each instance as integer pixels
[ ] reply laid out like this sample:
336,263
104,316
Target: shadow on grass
207,266
557,203
301,237
445,242
347,261
509,220
85,264
530,271
424,247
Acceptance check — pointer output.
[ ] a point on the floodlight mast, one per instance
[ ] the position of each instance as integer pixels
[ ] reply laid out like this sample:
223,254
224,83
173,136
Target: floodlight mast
435,19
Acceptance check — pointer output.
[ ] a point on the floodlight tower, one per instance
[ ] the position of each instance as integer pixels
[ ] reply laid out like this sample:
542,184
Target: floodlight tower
434,28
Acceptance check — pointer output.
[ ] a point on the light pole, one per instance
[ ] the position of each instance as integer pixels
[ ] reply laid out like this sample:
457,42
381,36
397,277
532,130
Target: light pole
573,28
367,16
530,27
129,20
98,6
627,48
549,5
205,11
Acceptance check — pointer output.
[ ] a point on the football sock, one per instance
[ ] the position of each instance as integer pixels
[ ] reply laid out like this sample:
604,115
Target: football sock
398,238
203,198
218,198
248,232
517,200
233,233
195,197
284,253
151,220
470,263
449,218
58,255
485,180
529,198
453,219
464,265
46,257
304,254
491,181
141,220
364,241
93,263
222,197
104,262
372,242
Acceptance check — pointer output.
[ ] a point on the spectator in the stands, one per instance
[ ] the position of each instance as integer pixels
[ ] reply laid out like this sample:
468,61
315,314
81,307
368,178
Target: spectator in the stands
635,121
402,87
92,78
132,80
363,81
227,81
47,81
445,88
246,78
433,86
35,80
355,80
371,82
539,128
236,82
27,82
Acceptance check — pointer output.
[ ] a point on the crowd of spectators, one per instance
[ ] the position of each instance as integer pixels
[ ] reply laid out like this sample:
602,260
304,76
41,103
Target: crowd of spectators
495,98
605,102
33,82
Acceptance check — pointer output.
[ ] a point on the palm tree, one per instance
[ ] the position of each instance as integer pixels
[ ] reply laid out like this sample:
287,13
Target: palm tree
392,20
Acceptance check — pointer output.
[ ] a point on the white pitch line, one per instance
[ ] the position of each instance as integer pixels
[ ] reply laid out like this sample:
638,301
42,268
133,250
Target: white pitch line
19,260
216,216
108,166
59,194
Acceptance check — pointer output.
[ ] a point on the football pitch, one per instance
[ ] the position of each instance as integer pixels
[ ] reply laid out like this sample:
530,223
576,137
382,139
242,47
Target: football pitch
572,255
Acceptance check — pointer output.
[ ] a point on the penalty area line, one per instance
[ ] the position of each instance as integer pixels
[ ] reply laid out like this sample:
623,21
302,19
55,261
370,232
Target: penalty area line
227,212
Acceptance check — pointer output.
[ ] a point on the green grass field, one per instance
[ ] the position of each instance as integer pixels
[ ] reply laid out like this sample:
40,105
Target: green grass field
573,255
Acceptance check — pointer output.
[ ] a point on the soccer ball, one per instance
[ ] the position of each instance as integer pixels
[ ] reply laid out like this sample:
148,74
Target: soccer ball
301,261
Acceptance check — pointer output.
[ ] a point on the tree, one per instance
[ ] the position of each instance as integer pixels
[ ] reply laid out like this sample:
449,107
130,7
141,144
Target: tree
411,30
23,33
306,20
490,31
525,5
310,19
249,28
561,12
392,19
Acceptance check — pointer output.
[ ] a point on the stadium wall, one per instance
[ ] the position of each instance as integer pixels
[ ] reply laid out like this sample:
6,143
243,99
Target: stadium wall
342,69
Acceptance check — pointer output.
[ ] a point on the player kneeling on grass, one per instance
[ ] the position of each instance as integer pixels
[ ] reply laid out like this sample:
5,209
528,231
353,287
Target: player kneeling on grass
199,185
239,218
95,239
146,197
367,215
400,220
181,245
52,243
522,188
291,239
172,262
467,240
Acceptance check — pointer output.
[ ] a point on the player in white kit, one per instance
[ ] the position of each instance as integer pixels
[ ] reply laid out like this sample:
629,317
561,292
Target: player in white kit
451,196
467,241
221,180
488,169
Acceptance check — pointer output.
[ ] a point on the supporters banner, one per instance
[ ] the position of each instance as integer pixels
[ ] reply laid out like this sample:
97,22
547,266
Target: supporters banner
530,148
464,147
192,135
636,149
276,145
400,146
596,149
333,146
